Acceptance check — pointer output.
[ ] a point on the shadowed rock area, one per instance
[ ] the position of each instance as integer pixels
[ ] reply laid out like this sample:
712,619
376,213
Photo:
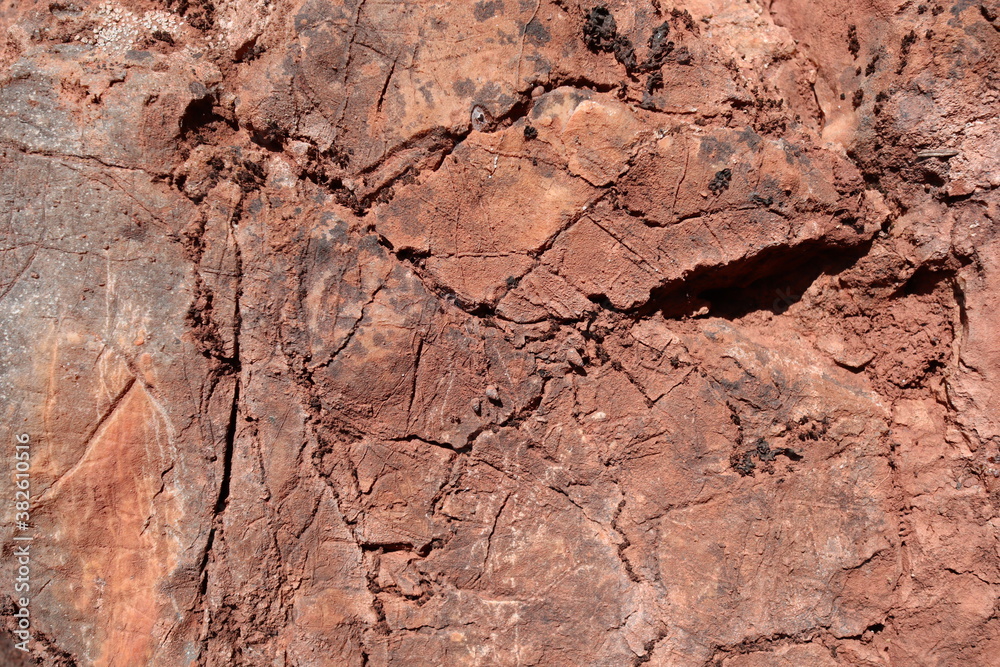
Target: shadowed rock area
502,332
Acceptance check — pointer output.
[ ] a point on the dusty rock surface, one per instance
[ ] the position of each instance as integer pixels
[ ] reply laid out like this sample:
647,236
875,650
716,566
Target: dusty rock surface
503,332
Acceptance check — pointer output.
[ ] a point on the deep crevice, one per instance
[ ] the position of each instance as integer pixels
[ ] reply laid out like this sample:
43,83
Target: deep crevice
227,456
199,118
773,281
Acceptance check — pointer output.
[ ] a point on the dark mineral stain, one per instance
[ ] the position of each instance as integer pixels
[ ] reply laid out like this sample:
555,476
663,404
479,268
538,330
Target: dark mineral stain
879,101
250,176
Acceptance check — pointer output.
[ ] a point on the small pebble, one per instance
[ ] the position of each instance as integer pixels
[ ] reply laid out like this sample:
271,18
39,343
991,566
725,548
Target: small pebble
574,358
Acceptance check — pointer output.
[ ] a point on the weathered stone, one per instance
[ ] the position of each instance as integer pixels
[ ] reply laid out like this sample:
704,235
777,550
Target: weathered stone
502,332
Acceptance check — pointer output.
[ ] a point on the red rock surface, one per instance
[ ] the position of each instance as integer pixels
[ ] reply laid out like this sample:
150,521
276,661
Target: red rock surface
503,332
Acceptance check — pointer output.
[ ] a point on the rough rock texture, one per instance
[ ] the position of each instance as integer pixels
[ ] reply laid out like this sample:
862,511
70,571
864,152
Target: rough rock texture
508,332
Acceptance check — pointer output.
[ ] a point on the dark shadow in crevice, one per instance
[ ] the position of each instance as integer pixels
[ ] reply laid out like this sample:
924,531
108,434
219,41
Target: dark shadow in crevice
772,281
926,280
199,122
271,137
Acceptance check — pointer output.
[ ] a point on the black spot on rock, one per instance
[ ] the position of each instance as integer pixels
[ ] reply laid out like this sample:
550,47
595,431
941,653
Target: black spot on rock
600,34
721,181
659,48
685,18
870,69
653,83
764,452
625,54
744,465
853,45
904,50
600,30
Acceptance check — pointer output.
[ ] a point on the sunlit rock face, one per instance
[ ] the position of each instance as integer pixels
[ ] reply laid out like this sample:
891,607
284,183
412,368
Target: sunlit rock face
501,332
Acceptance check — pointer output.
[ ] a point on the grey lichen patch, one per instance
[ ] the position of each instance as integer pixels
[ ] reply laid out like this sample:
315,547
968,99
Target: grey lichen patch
487,9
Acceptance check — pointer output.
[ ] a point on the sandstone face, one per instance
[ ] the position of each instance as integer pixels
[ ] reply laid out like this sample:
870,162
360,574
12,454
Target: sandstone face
502,332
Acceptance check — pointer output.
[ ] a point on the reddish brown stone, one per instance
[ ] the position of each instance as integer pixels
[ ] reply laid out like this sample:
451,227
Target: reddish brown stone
502,333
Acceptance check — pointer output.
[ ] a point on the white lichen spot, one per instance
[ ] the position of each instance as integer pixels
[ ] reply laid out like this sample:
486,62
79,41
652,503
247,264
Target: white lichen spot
117,30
